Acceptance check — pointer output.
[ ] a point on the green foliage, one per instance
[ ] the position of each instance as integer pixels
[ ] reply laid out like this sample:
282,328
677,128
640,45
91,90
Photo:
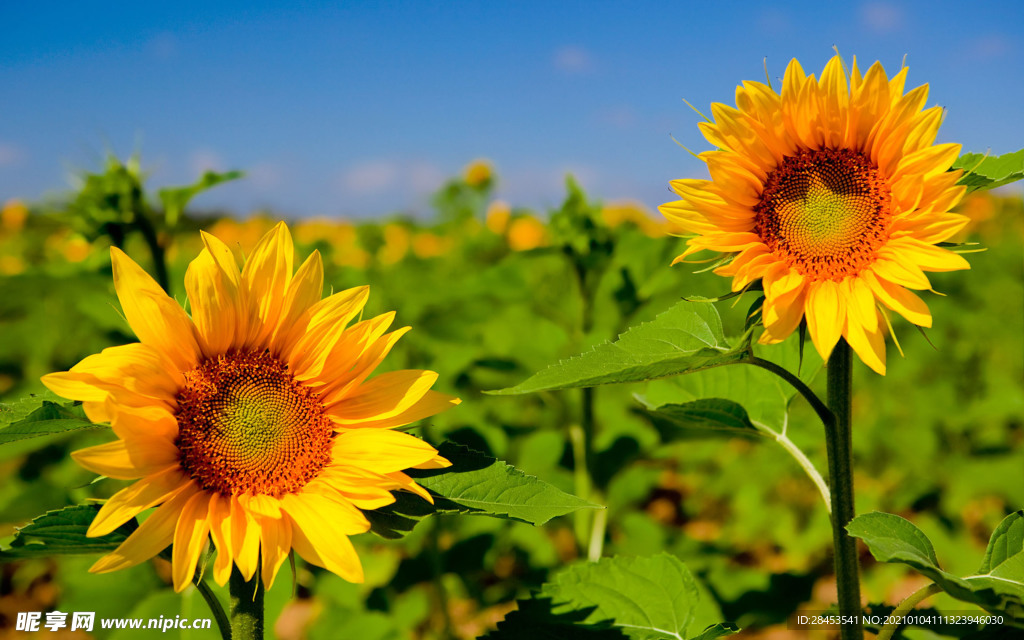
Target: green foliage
982,171
688,337
475,484
41,415
999,585
641,598
62,532
678,421
175,199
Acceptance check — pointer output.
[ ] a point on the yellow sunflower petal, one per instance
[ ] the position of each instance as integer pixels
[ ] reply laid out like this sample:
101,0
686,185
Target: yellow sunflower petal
903,302
384,396
265,278
867,344
275,544
380,450
116,460
220,530
322,526
157,320
245,539
128,503
431,404
152,536
190,536
825,313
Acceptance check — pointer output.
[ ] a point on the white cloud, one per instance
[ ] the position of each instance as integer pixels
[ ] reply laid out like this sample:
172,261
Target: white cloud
881,17
264,176
370,177
573,59
544,187
10,155
425,178
203,160
988,47
400,177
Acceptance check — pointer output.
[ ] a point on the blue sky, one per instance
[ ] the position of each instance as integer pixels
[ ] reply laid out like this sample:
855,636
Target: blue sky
363,109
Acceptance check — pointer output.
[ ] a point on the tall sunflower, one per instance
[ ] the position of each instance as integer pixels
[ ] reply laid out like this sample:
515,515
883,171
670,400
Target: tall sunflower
252,422
834,196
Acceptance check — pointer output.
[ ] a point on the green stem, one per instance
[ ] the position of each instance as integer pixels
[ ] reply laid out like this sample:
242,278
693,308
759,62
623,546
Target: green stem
437,571
246,606
223,624
582,485
149,234
597,532
904,608
802,460
812,398
839,441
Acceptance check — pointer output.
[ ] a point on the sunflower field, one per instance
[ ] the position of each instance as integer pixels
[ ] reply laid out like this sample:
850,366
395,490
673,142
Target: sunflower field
573,440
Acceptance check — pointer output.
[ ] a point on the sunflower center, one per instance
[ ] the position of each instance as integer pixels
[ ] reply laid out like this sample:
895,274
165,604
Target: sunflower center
246,426
825,212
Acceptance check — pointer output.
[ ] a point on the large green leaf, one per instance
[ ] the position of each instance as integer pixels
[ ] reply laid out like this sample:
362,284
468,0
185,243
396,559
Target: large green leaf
475,484
62,532
988,172
641,598
688,337
894,539
40,415
700,418
999,590
1007,541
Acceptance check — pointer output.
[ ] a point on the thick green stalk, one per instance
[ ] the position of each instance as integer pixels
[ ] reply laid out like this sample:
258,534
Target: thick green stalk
246,606
839,441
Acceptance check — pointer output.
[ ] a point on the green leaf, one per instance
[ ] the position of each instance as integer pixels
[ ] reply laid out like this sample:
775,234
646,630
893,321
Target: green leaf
697,418
763,396
1007,540
891,538
175,199
62,532
719,630
894,539
688,337
475,484
641,598
40,415
988,172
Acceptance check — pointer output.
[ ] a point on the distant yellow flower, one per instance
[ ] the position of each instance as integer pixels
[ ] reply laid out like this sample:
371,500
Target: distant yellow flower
429,245
525,233
478,173
498,214
396,243
13,215
11,265
833,195
617,213
252,422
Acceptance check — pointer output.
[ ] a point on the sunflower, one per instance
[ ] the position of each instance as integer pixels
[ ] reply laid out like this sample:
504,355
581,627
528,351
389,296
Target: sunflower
253,422
834,196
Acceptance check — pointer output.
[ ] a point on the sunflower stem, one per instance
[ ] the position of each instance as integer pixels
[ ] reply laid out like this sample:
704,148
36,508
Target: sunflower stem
839,440
223,624
246,606
820,408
